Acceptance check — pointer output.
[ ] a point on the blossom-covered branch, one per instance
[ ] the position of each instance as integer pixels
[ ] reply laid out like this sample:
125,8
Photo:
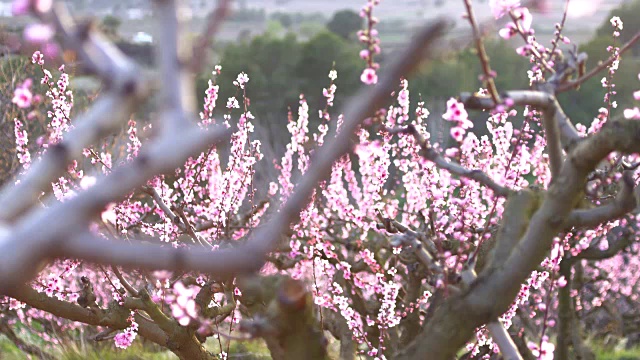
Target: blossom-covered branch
431,154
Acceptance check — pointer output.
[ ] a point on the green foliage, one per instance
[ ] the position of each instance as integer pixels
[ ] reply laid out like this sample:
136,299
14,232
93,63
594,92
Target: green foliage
602,353
269,62
345,23
139,350
248,15
110,25
458,72
274,28
283,18
309,29
281,68
250,350
319,55
9,351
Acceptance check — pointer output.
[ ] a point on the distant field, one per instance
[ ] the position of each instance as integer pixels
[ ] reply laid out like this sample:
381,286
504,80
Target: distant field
412,14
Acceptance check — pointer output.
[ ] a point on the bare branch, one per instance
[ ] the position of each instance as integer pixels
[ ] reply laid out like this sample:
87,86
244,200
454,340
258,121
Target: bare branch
124,282
624,202
601,66
214,21
164,207
482,55
542,100
74,312
96,53
177,96
287,317
618,242
65,221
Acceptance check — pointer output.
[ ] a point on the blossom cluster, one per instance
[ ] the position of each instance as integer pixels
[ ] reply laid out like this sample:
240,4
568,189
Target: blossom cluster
124,339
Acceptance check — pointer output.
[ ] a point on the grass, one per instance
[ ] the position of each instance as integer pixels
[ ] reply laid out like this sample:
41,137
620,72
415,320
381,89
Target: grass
106,351
603,353
248,350
139,350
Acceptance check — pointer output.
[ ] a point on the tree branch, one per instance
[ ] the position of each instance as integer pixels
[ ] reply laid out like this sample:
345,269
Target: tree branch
28,244
542,100
432,155
214,21
601,66
624,202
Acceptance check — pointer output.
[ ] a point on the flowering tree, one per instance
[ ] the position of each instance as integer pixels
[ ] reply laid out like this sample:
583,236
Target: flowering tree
372,233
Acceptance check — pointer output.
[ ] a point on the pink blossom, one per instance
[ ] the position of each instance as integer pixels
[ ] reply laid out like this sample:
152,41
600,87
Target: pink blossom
452,152
232,103
457,113
51,50
364,54
20,7
109,214
38,33
562,282
523,14
616,22
22,151
87,182
22,97
124,339
523,50
37,58
632,113
241,80
457,133
545,352
501,7
508,31
636,95
369,76
42,6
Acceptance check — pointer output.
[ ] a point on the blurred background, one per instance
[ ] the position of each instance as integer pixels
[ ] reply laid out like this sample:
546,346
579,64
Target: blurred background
287,47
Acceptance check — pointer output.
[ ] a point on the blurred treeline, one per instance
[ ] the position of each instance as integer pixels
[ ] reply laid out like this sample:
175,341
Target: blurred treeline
282,66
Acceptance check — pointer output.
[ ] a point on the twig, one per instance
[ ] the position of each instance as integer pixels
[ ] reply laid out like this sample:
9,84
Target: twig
482,55
560,28
601,66
124,282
